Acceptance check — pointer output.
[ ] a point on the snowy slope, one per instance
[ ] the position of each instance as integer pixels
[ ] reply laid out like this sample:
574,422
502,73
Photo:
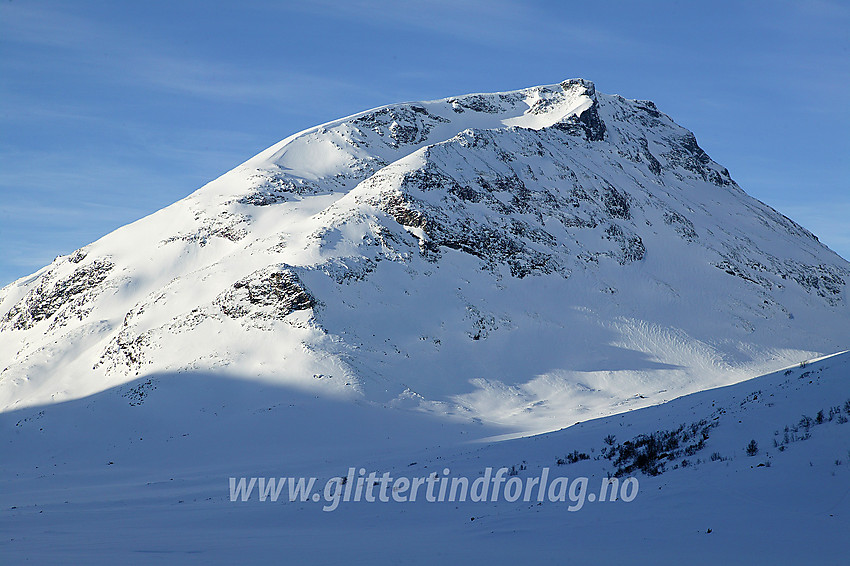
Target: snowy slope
153,487
524,259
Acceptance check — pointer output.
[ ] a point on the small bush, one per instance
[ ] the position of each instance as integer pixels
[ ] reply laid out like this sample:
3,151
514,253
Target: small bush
576,456
752,448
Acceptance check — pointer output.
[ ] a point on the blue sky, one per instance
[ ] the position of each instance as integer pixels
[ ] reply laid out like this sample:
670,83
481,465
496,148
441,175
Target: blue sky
112,110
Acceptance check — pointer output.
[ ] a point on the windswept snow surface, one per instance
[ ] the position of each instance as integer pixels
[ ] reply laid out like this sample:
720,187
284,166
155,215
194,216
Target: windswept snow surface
139,474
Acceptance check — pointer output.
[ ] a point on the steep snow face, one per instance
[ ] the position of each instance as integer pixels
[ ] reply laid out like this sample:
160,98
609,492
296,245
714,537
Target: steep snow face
529,259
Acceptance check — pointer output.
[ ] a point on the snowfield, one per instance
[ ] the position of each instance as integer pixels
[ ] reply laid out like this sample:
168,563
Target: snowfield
452,283
139,474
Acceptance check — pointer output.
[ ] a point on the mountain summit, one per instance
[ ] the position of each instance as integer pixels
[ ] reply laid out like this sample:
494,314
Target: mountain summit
527,259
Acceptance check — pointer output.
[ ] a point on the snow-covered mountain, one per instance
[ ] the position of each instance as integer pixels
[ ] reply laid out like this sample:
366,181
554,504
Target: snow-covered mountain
526,259
389,289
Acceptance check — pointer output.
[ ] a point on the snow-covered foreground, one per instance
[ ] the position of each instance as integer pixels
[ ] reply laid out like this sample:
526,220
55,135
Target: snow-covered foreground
139,474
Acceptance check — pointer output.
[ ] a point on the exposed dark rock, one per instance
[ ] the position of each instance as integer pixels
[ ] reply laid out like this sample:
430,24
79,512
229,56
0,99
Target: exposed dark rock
125,352
78,256
631,246
616,203
68,295
733,268
348,270
465,193
651,162
687,154
682,225
499,240
588,125
482,323
402,124
649,107
277,188
268,293
227,226
594,127
490,104
136,395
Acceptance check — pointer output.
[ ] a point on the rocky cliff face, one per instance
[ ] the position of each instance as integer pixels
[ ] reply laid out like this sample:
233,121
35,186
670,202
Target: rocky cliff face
526,258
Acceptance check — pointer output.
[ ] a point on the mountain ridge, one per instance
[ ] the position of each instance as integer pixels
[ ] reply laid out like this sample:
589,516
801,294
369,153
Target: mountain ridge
511,257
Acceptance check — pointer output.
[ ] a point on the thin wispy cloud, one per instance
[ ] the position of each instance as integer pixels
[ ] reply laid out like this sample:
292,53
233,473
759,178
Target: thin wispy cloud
136,60
37,25
497,23
217,81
